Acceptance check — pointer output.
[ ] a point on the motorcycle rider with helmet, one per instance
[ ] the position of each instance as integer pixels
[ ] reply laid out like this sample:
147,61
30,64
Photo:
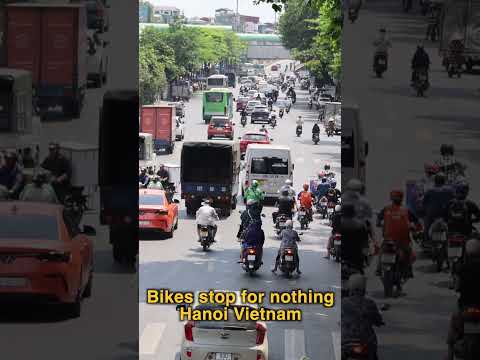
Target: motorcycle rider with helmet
286,204
289,238
448,163
306,201
288,186
143,178
315,129
354,237
336,228
435,202
467,286
462,212
359,316
322,188
207,216
299,122
250,215
420,61
254,236
396,222
382,45
255,194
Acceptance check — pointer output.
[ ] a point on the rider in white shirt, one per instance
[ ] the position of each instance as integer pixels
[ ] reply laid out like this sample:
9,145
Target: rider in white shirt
206,215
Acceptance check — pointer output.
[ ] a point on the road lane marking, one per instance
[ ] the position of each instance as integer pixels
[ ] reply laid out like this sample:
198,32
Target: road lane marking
210,266
151,336
336,345
294,344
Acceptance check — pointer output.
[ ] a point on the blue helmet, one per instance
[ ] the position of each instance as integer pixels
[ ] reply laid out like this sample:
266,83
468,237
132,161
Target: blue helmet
333,184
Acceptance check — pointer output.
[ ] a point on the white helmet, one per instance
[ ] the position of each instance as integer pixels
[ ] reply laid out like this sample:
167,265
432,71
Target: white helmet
289,224
288,182
338,208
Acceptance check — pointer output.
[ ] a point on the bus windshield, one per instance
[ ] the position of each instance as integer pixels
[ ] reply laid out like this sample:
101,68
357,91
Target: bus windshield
216,81
215,97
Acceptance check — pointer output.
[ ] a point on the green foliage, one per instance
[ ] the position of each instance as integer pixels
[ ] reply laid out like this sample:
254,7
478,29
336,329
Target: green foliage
151,74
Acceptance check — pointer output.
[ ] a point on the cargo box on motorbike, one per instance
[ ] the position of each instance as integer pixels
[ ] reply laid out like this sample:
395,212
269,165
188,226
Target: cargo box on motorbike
84,161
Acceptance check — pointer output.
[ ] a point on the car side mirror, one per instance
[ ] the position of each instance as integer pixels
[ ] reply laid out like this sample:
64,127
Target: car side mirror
89,230
263,215
233,124
176,201
271,139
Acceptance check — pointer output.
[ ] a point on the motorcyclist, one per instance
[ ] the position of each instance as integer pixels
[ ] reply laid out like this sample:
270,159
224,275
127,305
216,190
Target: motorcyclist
336,228
289,238
333,185
263,129
467,286
299,122
11,175
306,201
254,237
206,216
359,316
315,129
332,196
355,193
328,172
155,183
435,202
288,186
60,168
254,194
448,164
163,174
270,103
382,45
285,204
39,190
244,113
143,178
354,237
251,214
420,61
462,212
322,188
397,221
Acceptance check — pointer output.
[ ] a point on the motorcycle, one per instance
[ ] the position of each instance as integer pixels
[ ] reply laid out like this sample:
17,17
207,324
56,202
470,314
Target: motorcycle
355,350
335,250
287,262
330,130
390,268
352,15
299,130
205,237
468,348
243,120
310,103
322,207
302,218
439,231
280,113
251,261
280,223
421,82
315,138
273,121
454,68
456,243
380,64
330,210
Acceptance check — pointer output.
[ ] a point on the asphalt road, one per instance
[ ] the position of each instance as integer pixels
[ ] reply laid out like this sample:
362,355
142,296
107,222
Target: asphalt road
180,264
107,327
404,132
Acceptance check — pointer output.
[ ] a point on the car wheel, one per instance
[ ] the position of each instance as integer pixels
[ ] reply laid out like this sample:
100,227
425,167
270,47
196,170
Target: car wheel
88,289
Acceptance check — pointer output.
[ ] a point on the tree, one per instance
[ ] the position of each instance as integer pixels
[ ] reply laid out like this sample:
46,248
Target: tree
151,74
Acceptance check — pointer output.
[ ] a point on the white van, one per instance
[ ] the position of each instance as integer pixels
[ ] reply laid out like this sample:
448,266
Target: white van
354,147
270,165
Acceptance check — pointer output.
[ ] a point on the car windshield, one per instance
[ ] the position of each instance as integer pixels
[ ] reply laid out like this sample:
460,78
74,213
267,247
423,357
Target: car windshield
28,226
255,137
218,122
232,322
253,104
151,199
269,166
214,97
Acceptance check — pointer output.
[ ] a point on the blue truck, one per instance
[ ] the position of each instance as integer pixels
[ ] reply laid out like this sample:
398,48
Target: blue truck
210,170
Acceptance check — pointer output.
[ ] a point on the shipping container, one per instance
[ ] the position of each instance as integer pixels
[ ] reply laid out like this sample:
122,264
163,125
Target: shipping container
159,120
50,41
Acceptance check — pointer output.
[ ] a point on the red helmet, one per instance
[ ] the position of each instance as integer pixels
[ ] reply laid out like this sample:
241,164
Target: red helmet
322,174
396,195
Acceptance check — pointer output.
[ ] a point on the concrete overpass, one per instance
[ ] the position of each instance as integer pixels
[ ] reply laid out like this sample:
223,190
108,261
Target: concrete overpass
260,47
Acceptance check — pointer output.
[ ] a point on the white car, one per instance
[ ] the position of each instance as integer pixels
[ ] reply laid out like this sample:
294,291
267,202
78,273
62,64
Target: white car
251,105
97,59
179,129
232,340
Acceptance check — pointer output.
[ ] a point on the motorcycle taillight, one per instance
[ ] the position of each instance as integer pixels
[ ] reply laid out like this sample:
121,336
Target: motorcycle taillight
338,237
251,251
359,349
472,313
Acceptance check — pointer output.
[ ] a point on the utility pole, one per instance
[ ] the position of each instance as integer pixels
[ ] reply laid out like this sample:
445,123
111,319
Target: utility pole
237,20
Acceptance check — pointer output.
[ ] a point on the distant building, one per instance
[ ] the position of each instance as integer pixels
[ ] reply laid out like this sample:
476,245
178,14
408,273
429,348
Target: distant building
166,14
197,21
249,24
224,16
145,10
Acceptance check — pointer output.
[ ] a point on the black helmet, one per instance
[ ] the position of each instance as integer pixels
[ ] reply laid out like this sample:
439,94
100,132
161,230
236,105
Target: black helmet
440,179
285,192
446,150
462,189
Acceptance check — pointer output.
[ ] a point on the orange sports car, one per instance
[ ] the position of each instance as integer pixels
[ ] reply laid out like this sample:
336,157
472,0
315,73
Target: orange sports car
42,257
156,212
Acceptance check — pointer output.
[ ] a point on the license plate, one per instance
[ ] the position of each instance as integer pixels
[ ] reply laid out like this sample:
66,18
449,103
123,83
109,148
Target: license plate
471,328
13,282
388,258
454,252
337,243
204,233
251,257
288,258
144,223
223,356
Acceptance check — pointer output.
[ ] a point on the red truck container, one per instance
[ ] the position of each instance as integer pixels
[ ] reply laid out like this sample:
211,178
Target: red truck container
50,41
159,120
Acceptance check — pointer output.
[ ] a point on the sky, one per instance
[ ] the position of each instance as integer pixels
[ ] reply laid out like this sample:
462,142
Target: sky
201,8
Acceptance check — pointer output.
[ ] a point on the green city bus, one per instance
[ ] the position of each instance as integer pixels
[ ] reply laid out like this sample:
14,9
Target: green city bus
217,101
